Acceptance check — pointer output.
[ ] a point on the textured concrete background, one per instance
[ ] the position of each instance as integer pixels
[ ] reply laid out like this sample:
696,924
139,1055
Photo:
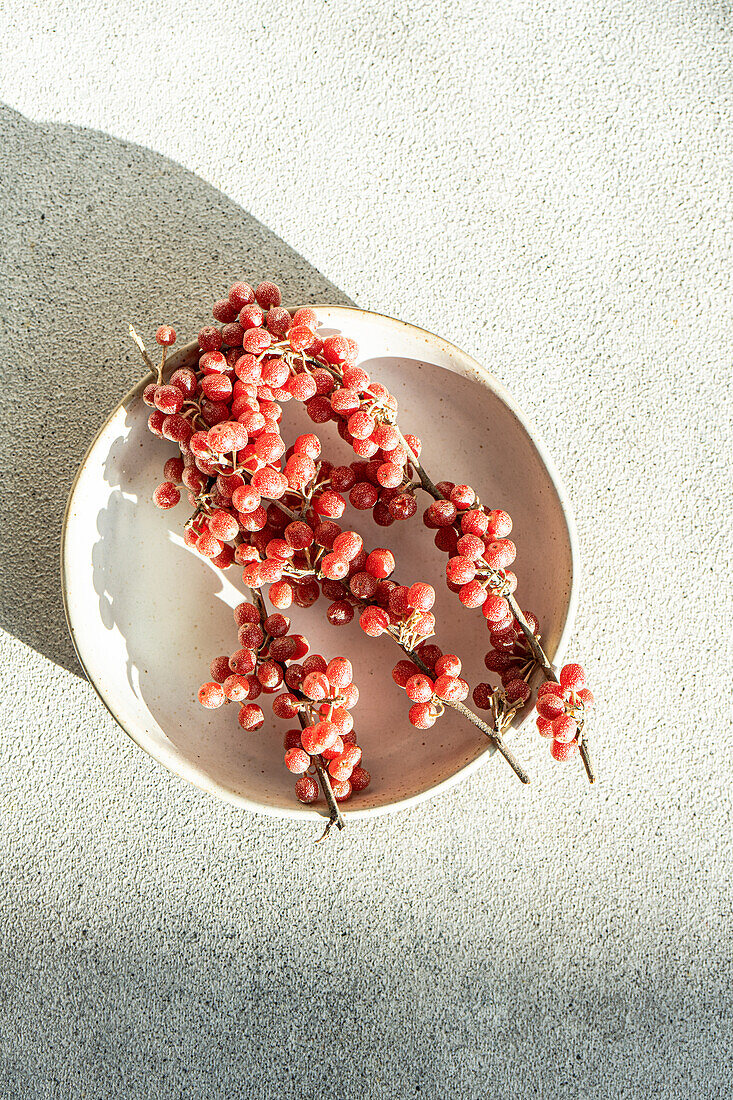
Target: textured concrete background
547,184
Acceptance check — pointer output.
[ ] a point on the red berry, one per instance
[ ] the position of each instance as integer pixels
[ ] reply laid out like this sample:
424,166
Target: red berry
402,506
517,691
429,654
449,665
340,613
334,567
586,698
307,317
449,688
185,381
241,294
402,672
219,669
168,399
360,779
460,570
363,496
254,340
210,338
544,727
246,612
462,496
236,688
149,395
336,349
298,535
374,621
472,594
341,791
390,475
499,525
474,522
483,695
223,525
361,424
329,504
335,750
470,546
306,789
320,736
572,677
421,716
251,716
495,608
561,750
419,688
363,585
339,672
550,706
267,294
211,695
224,311
380,563
166,495
297,760
325,533
500,554
564,729
316,686
217,387
269,482
347,545
441,513
242,662
549,687
421,596
165,336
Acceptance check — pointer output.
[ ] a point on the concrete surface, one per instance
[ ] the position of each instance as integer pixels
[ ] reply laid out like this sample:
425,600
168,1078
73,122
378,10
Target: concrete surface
547,184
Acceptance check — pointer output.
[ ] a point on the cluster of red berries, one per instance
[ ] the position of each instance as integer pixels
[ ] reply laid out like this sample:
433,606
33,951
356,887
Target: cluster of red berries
274,510
511,659
430,690
562,709
272,661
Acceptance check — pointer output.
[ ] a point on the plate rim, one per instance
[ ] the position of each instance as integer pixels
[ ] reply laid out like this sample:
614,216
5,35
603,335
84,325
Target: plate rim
182,769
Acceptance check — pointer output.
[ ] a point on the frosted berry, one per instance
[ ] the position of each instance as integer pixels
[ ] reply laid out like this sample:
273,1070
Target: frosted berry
251,716
166,495
572,677
517,690
297,760
306,789
419,688
165,336
374,621
380,563
211,695
421,596
561,750
360,779
564,728
421,716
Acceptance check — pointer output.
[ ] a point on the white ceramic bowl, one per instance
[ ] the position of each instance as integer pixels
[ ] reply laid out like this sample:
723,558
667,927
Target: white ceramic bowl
147,615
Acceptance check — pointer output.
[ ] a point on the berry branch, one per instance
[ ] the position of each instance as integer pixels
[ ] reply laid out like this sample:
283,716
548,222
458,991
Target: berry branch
335,816
541,658
494,734
274,511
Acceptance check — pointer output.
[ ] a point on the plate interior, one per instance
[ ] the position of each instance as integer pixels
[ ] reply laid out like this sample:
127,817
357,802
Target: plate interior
147,614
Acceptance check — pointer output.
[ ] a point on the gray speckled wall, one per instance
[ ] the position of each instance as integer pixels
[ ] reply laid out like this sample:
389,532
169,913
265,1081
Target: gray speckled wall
548,186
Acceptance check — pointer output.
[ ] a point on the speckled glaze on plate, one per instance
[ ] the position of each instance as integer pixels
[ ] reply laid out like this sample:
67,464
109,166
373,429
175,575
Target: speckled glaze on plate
147,614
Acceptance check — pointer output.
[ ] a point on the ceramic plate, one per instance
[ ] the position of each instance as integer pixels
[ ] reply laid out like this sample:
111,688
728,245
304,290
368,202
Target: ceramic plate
147,614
